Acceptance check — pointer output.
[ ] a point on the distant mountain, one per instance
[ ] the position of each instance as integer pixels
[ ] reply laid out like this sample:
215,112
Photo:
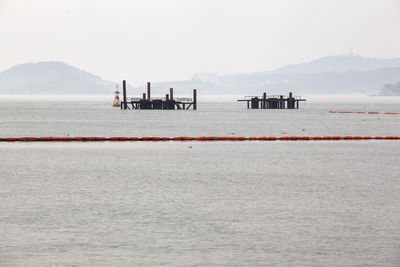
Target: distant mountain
343,63
328,75
51,78
390,89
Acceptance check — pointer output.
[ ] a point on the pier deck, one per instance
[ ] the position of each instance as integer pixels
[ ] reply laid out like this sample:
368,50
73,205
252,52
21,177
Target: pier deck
272,101
168,102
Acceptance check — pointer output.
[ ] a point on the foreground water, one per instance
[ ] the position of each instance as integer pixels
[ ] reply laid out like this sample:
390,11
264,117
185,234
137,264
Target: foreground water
319,203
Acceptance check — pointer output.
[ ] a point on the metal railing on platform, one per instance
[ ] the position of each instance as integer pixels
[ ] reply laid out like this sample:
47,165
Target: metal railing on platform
271,96
179,99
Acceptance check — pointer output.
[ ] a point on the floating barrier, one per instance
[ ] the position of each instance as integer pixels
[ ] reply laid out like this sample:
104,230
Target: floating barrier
198,138
363,112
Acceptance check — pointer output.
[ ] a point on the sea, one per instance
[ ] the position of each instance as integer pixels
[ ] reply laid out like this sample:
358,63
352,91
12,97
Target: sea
219,203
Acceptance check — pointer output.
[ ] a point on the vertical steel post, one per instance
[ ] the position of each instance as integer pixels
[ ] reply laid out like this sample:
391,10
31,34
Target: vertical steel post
124,94
194,99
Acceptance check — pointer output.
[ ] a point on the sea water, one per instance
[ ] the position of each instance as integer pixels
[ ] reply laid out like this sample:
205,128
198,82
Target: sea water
253,203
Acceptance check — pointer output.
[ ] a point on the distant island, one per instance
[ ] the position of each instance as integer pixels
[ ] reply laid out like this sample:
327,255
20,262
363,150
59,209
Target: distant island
391,89
326,75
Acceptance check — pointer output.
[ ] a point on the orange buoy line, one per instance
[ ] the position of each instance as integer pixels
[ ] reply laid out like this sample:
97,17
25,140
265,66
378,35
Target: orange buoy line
364,112
199,138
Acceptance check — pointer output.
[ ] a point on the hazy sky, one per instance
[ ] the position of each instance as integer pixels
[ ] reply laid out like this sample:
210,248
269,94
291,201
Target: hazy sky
161,40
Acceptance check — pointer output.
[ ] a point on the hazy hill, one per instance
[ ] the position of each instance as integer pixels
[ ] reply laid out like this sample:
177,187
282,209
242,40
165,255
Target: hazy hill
330,75
342,63
51,78
391,89
327,75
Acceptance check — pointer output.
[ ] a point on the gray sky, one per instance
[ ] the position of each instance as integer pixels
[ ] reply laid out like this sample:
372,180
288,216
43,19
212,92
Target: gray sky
161,40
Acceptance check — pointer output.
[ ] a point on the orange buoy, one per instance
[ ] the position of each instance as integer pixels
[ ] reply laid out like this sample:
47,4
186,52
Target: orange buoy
100,139
133,138
358,137
262,138
113,138
187,138
231,138
391,113
55,138
156,138
221,138
271,138
284,138
145,138
360,112
77,138
10,139
336,138
165,139
293,138
65,138
347,137
326,138
90,139
373,112
177,138
241,138
252,138
346,112
123,138
367,137
388,137
305,138
379,137
316,138
199,138
209,138
332,111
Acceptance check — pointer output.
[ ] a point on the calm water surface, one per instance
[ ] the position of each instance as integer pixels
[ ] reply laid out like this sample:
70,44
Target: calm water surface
199,204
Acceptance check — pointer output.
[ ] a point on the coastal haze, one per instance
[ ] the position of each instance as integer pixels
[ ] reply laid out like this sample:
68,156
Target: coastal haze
327,75
198,203
172,40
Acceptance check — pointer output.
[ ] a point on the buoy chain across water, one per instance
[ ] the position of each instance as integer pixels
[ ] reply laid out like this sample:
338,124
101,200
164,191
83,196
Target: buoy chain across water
199,138
364,112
